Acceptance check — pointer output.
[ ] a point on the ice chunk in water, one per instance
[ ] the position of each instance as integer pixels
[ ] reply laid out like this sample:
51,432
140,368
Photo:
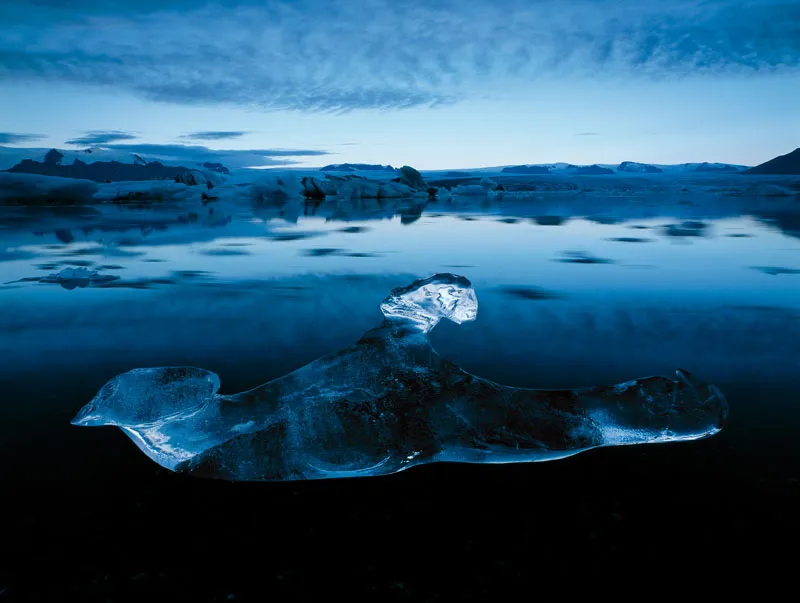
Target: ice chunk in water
426,301
387,403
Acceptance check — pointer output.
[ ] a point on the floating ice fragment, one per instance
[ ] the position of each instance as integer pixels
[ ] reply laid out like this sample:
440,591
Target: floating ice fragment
389,402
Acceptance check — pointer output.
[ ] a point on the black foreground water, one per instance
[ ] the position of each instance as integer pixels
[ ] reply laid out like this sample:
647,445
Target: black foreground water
568,295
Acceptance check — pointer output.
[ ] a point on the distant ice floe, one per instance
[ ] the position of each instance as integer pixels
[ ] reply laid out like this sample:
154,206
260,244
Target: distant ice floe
387,403
26,189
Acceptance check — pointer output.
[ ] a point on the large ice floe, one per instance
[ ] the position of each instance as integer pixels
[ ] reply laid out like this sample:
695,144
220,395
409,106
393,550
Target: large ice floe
389,402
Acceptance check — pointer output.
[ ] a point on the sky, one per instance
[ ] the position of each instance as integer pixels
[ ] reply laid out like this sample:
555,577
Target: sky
436,84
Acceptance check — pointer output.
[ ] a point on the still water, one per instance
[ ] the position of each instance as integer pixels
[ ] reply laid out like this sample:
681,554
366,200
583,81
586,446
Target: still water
571,293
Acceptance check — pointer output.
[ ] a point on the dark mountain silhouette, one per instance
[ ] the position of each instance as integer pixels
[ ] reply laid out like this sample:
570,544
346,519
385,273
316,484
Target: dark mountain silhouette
53,157
99,171
526,169
788,164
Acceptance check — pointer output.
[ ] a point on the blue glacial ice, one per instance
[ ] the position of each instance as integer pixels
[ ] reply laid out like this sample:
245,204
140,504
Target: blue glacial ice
387,403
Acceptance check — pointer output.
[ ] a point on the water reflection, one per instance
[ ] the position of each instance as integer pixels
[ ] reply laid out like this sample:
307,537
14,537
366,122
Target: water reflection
582,257
720,293
630,240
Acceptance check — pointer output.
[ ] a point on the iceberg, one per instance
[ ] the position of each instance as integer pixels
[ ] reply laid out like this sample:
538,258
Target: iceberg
387,403
33,189
355,187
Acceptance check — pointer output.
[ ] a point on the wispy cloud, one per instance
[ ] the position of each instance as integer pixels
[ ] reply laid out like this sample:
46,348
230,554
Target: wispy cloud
315,55
587,134
17,138
213,135
101,137
197,154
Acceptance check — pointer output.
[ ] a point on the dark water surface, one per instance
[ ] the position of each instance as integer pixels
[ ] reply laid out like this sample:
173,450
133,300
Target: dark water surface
571,293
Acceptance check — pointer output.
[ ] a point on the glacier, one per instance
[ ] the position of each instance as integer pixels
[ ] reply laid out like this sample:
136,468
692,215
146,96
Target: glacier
387,403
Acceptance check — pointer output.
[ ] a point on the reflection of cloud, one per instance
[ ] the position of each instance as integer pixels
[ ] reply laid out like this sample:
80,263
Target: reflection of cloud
776,270
381,53
101,137
630,240
214,135
224,252
17,138
687,228
550,220
582,257
529,293
318,252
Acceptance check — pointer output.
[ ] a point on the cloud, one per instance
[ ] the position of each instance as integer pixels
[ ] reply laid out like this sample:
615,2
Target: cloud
587,134
315,55
213,135
17,138
197,154
101,137
171,154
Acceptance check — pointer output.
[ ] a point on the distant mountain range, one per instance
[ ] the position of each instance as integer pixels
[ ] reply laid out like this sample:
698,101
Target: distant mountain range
214,161
638,168
593,170
717,167
629,167
103,165
787,165
357,167
99,171
527,169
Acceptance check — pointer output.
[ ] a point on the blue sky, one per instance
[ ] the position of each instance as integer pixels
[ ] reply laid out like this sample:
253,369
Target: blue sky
431,83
